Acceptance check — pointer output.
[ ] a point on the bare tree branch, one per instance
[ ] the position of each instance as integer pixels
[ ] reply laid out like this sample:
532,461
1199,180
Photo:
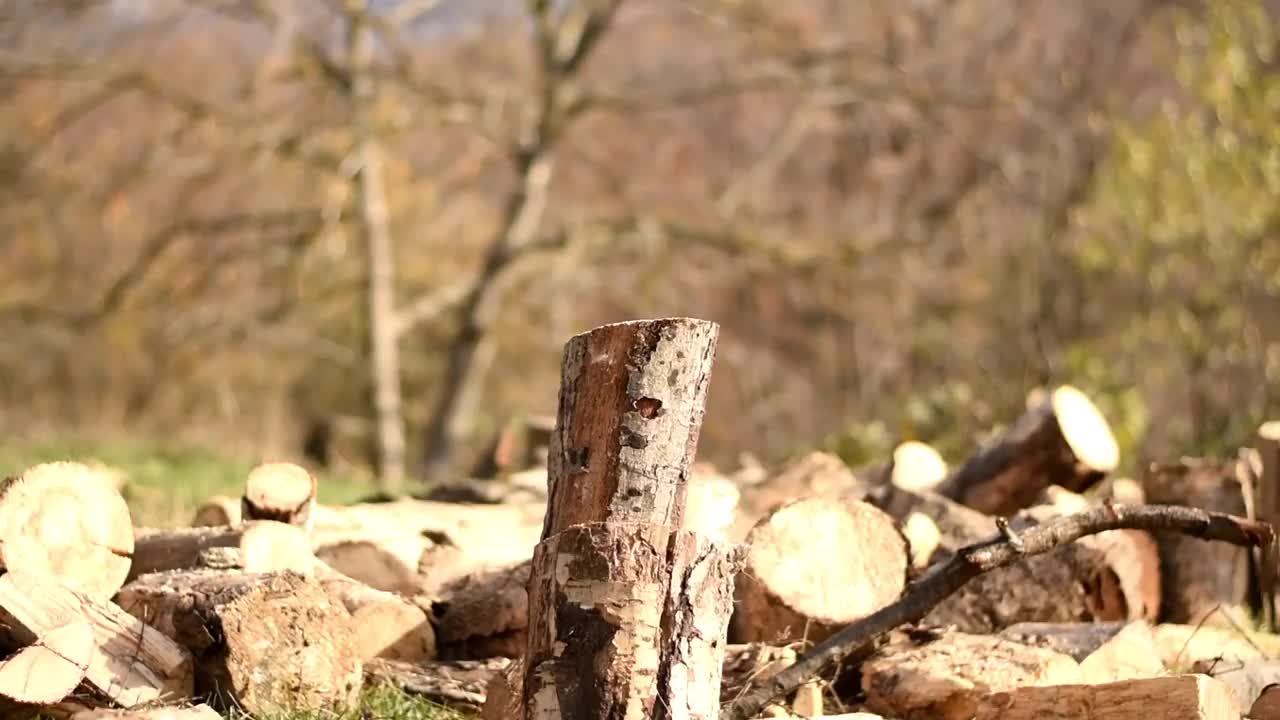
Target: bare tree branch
942,580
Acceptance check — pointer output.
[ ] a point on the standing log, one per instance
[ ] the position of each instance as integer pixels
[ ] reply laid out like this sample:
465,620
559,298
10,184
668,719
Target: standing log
796,585
1061,440
627,611
1203,581
63,520
632,397
130,664
1185,697
263,643
280,491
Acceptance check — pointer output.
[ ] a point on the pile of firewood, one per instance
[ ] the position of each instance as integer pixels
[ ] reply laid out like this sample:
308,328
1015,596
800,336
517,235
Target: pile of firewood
625,580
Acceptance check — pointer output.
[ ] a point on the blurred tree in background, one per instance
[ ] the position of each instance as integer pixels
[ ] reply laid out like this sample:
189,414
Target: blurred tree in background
366,229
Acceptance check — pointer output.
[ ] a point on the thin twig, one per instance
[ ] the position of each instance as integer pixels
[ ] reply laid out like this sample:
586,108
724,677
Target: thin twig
943,580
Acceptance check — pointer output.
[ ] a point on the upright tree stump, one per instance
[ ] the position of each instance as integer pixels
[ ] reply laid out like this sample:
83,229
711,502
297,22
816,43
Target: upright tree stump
628,611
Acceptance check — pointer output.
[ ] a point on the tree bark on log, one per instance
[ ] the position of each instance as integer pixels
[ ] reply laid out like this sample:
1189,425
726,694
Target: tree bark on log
626,621
794,587
948,678
1201,580
944,579
1267,504
485,614
627,610
262,642
632,397
1184,697
1061,440
63,520
130,665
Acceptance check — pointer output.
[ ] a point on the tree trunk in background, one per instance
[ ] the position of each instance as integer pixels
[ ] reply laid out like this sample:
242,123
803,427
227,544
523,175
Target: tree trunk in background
374,223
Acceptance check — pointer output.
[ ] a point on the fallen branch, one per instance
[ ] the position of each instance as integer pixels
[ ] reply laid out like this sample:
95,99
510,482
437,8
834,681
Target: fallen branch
971,561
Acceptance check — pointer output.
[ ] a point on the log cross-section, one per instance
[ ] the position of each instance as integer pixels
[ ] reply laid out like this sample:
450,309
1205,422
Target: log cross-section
632,397
628,611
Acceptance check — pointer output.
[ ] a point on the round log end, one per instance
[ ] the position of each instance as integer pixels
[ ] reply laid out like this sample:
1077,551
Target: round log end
279,487
917,467
1085,429
63,520
815,565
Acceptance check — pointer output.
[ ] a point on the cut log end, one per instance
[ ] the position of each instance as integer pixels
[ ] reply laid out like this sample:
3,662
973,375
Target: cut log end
62,520
49,670
1270,430
1085,430
279,491
917,467
815,565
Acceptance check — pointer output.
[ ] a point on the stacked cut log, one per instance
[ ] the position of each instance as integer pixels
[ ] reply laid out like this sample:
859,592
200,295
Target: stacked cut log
627,609
66,538
1203,582
1061,440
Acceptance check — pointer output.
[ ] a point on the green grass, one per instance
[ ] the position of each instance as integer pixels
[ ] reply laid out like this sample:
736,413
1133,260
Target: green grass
164,487
166,484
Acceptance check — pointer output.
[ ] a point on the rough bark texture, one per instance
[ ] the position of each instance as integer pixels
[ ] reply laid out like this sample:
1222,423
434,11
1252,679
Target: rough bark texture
1202,581
796,586
485,614
1185,697
64,520
632,396
817,474
1060,440
1107,652
131,664
281,491
626,621
261,642
504,695
47,670
947,679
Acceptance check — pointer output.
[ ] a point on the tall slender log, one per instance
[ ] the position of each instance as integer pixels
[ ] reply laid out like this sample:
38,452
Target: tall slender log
632,396
628,612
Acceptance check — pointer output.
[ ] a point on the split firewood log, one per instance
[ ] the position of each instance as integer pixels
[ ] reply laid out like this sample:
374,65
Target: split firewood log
1202,581
1062,440
1184,697
47,670
949,678
814,566
62,520
262,642
193,712
485,614
128,663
